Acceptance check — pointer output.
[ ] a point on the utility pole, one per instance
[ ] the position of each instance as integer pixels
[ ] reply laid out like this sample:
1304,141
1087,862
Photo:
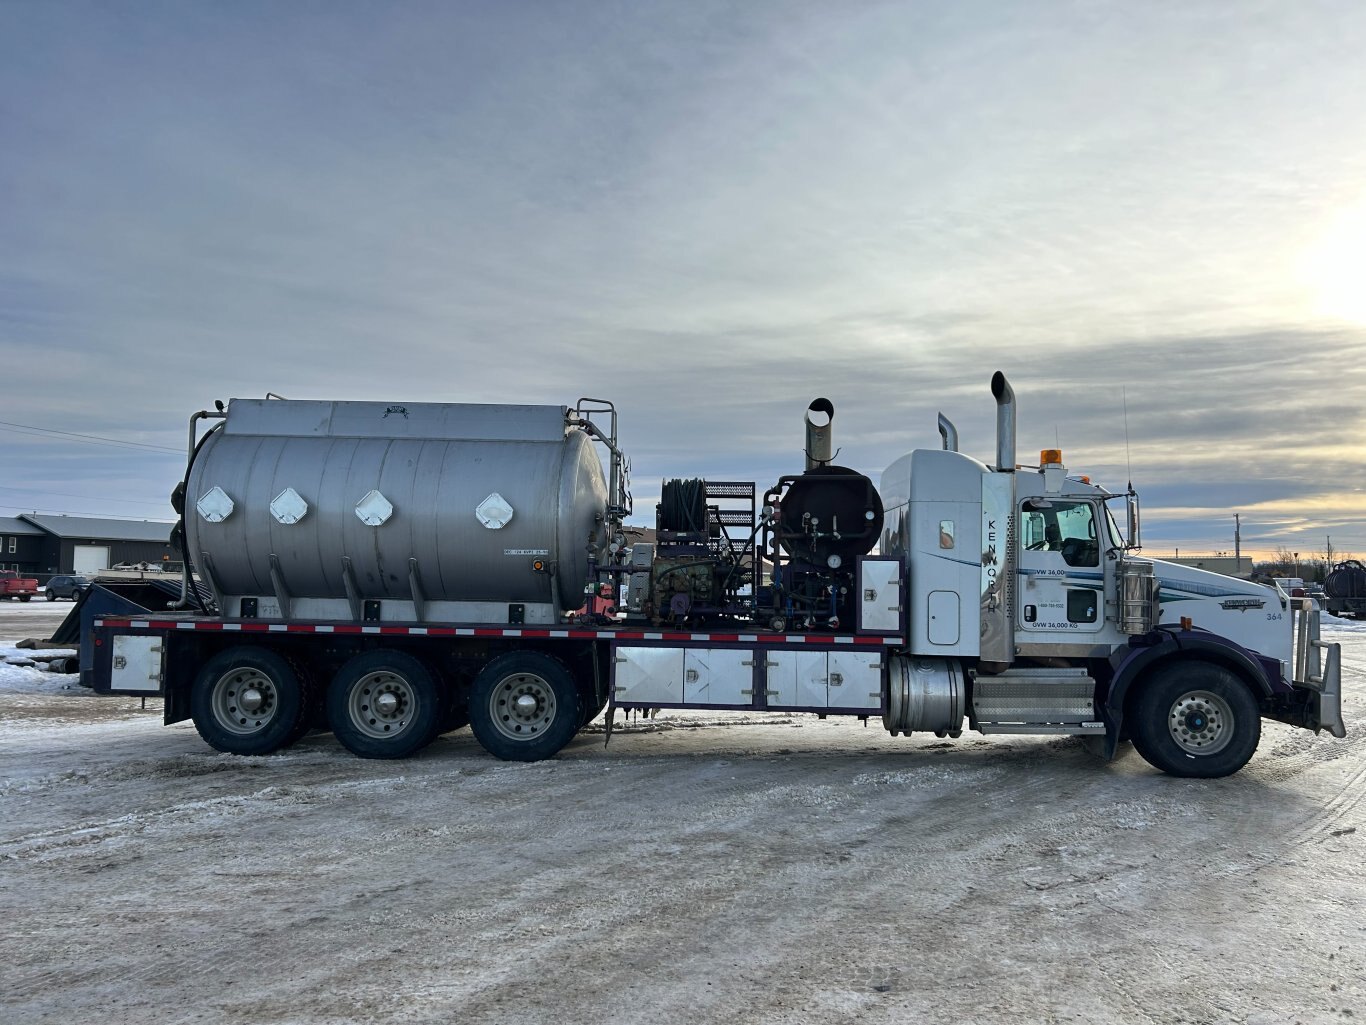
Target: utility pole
1237,543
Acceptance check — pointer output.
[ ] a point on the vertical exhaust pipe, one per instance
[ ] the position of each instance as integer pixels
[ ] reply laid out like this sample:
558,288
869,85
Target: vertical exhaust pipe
1005,422
818,436
997,645
949,433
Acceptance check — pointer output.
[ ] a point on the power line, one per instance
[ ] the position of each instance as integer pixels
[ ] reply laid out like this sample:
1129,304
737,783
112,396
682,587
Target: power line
23,509
91,498
89,439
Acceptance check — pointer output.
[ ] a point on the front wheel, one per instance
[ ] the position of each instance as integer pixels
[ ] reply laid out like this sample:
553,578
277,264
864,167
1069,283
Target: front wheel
524,707
384,704
248,701
1196,720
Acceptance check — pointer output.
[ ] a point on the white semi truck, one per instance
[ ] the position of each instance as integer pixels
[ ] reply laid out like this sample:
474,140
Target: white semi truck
393,571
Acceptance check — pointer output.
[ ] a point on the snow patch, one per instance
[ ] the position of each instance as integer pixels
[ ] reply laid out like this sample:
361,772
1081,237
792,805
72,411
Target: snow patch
34,678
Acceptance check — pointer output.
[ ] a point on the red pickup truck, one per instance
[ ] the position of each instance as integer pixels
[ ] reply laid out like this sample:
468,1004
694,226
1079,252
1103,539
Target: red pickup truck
12,585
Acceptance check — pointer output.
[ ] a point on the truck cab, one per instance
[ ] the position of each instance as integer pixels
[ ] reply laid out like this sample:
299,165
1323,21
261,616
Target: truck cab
1023,594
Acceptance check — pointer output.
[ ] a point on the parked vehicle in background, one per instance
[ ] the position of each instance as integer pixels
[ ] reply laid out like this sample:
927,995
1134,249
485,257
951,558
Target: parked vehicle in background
1346,589
66,586
12,585
1293,586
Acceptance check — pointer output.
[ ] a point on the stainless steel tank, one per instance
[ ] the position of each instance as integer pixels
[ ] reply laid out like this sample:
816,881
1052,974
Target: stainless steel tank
471,496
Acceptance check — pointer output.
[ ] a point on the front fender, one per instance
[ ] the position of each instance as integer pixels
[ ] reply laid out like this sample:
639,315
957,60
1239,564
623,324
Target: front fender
1133,663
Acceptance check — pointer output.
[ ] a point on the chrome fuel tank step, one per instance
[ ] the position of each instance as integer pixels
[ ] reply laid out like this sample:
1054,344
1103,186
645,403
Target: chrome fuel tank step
1035,701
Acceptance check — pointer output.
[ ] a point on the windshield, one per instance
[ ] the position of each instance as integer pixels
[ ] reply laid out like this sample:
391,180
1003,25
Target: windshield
1116,538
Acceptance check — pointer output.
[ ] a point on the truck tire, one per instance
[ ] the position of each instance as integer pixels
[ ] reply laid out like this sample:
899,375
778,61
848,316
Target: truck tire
590,706
247,701
25,597
524,706
457,713
384,704
1196,719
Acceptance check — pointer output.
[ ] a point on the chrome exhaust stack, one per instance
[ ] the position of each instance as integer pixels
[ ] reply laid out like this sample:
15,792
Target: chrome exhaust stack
819,451
997,645
1005,422
949,433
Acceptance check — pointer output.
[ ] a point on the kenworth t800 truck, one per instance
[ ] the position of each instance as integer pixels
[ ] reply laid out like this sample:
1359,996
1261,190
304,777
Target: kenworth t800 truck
393,571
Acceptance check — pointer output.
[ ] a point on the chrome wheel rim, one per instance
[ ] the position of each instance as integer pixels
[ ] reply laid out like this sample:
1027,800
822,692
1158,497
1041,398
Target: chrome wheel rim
245,701
522,706
382,704
1201,723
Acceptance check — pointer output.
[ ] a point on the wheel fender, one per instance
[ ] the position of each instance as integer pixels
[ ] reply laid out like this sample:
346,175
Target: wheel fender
1131,664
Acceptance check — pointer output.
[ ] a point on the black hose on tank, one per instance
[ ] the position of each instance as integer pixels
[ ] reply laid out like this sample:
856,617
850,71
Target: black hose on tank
178,496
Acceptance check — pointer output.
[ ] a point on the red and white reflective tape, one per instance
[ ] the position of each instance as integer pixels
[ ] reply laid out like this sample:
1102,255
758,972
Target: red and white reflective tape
266,626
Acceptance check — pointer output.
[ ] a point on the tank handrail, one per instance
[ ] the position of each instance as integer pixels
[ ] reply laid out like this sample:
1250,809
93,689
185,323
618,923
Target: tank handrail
619,467
585,413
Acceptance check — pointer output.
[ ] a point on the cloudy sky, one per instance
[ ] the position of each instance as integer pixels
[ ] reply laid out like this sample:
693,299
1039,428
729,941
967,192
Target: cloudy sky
709,213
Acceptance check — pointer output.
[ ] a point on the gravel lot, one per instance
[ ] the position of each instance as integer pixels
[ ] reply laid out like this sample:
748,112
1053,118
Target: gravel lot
700,868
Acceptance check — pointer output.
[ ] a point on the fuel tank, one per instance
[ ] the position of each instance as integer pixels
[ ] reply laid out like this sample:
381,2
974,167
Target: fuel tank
471,497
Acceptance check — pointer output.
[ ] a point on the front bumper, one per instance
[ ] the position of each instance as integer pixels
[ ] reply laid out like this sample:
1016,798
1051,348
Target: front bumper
1318,670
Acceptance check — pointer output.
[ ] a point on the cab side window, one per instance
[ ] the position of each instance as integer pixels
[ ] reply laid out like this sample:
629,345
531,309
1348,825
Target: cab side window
1062,526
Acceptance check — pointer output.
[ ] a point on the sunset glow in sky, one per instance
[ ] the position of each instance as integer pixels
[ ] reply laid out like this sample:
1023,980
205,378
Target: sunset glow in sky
709,213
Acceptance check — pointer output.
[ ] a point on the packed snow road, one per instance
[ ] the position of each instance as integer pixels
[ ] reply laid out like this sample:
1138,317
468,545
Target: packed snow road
700,868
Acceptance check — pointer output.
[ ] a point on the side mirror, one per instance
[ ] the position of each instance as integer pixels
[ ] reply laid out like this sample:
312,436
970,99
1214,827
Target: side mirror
1135,539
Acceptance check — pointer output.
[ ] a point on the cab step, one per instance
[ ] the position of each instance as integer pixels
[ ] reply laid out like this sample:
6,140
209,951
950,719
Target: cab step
1036,701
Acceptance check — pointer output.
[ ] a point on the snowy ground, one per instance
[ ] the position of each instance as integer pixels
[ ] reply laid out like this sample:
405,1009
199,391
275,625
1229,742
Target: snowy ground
725,868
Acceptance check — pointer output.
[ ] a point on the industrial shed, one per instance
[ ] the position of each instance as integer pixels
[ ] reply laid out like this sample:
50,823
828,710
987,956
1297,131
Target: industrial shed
41,545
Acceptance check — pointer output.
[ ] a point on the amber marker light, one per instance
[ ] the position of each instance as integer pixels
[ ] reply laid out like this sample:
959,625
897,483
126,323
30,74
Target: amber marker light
1050,457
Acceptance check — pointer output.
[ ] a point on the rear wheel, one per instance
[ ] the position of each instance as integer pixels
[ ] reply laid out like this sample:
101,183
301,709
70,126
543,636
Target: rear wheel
384,704
457,713
590,706
524,706
247,701
1196,719
25,597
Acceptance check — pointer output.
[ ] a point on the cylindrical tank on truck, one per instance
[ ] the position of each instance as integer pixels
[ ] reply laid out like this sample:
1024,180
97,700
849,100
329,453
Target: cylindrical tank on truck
1345,588
458,509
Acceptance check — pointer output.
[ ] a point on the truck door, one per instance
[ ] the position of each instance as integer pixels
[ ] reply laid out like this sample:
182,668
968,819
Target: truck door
1061,585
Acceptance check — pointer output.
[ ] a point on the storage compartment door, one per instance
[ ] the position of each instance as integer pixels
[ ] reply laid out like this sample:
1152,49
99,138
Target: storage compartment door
718,676
856,679
797,679
649,676
136,664
879,589
944,617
